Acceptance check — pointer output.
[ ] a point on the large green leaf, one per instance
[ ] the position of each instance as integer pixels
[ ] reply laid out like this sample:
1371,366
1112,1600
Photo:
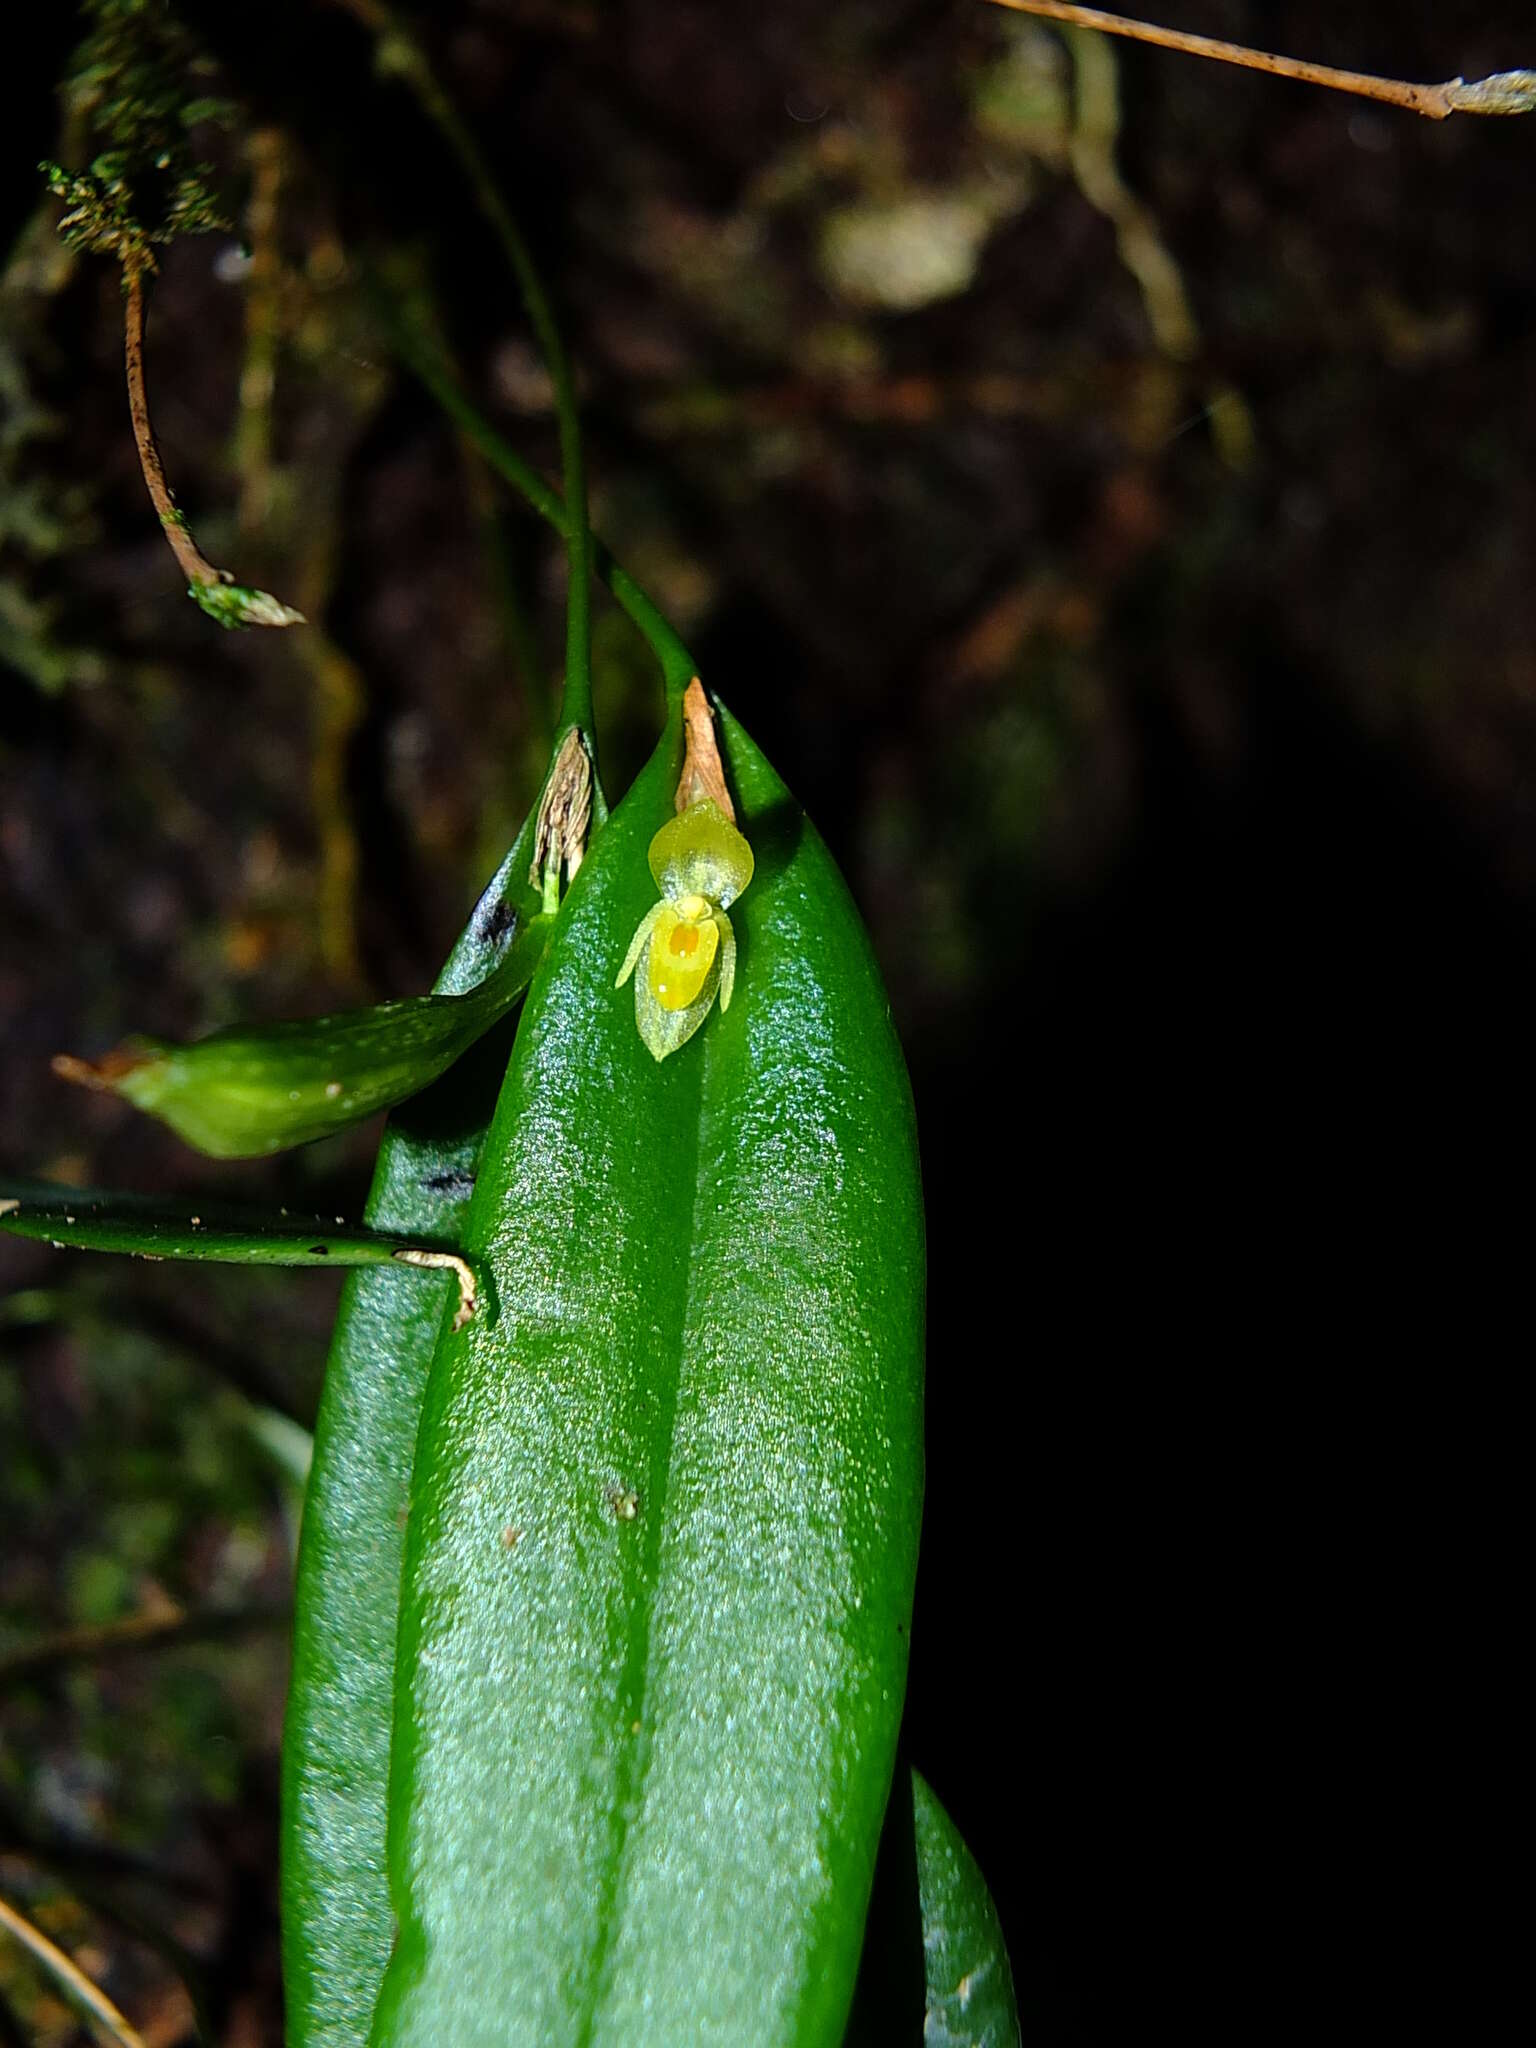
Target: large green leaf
664,1514
337,1923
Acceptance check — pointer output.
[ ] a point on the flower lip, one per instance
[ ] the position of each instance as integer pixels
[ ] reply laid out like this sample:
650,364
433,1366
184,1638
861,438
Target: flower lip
681,957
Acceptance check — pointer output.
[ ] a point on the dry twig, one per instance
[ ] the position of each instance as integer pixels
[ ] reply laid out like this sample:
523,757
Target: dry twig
1506,92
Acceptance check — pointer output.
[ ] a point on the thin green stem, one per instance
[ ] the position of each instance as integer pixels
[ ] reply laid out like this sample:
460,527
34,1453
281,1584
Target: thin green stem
92,1221
401,53
678,666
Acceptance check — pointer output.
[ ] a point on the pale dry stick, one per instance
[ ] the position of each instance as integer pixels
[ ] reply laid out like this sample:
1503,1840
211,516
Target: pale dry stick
71,1979
1506,92
463,1272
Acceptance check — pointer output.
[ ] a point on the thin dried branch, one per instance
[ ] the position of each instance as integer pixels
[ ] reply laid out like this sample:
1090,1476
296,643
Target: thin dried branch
230,603
1506,92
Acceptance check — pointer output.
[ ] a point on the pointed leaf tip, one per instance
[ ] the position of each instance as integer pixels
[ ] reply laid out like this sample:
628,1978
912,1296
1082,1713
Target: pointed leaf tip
246,1093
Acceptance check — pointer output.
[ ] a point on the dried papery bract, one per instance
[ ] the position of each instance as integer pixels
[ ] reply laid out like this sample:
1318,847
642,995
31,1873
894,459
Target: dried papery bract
565,813
703,776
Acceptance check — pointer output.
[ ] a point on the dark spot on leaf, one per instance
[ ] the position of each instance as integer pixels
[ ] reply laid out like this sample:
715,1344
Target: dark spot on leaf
452,1180
495,920
318,1251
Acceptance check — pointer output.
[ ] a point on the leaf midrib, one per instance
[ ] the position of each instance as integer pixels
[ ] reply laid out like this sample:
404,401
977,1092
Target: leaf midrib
635,1749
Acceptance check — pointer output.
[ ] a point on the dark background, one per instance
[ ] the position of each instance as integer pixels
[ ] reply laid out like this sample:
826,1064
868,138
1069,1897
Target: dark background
1171,707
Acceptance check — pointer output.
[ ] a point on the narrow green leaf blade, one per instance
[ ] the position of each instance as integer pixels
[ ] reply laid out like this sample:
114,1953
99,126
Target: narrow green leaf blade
663,1525
86,1219
337,1922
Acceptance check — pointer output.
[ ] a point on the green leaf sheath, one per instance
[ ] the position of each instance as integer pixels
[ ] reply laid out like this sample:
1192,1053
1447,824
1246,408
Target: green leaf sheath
664,1513
970,1997
248,1091
337,1922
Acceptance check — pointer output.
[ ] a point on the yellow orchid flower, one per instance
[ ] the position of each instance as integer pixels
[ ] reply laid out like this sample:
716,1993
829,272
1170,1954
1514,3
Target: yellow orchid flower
684,946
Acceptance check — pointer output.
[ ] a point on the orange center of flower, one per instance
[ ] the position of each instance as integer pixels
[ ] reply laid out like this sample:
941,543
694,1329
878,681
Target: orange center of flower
685,941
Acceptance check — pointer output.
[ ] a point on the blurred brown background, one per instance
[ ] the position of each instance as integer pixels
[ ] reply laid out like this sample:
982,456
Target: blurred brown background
1102,482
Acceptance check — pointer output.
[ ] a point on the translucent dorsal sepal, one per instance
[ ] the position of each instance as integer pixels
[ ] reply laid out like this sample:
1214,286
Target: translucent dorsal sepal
700,853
